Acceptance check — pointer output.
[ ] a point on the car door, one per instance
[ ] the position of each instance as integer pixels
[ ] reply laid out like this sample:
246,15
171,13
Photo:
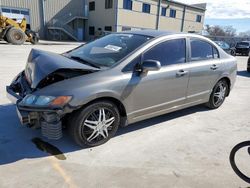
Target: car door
204,69
157,91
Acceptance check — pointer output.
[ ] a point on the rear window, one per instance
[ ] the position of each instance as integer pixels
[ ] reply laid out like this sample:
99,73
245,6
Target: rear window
201,50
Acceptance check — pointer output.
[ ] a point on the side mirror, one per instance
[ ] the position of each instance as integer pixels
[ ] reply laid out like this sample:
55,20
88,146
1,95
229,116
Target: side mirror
150,65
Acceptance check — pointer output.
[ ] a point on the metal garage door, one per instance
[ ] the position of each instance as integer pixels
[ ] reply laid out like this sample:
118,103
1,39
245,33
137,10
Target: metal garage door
17,14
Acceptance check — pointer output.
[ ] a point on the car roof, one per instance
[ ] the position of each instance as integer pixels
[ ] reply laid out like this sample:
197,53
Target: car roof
151,33
245,41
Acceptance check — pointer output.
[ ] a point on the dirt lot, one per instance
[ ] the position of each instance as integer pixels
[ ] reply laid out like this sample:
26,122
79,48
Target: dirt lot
189,148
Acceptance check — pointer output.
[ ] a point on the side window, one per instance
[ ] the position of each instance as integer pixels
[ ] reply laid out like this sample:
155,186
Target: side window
215,53
201,50
132,65
168,52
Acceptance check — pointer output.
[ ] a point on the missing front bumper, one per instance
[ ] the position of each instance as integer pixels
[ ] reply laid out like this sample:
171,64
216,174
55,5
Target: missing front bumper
48,119
27,118
50,123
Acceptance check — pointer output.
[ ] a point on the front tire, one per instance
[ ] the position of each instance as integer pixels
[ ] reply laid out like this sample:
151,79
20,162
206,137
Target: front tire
218,94
95,124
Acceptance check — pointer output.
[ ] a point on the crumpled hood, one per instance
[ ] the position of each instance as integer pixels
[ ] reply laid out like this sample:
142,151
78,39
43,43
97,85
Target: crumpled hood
41,63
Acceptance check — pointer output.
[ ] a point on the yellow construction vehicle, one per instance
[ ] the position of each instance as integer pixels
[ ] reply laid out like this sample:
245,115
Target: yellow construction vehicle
16,33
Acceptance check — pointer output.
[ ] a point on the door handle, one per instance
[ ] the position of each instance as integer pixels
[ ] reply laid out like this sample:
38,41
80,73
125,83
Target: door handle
214,67
181,73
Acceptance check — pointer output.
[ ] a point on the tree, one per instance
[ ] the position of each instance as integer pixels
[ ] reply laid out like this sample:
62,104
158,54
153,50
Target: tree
244,34
230,31
221,31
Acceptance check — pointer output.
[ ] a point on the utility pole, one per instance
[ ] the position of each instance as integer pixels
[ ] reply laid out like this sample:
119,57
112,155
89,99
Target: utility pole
158,15
42,13
183,18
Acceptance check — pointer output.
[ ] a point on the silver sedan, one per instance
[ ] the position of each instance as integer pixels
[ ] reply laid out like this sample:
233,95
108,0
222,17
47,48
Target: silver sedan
119,79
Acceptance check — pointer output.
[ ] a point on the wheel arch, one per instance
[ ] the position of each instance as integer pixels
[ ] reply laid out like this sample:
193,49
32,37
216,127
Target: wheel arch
121,108
114,100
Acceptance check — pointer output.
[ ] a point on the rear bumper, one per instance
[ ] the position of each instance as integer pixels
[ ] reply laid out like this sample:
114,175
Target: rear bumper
242,50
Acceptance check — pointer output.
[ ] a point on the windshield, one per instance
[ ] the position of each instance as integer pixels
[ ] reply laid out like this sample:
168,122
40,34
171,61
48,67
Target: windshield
108,50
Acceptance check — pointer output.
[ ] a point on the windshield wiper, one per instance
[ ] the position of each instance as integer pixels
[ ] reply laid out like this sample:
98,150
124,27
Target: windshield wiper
84,61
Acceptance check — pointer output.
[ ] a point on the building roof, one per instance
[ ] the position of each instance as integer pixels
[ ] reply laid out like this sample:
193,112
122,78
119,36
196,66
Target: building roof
150,33
201,6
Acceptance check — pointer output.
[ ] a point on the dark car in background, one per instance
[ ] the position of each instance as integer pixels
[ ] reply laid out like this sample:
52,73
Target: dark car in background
225,46
243,47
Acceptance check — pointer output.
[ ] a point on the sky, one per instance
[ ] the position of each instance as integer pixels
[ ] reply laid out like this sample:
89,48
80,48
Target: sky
226,12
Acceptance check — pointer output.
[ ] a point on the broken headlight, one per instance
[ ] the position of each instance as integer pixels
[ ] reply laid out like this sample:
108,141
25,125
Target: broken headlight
45,100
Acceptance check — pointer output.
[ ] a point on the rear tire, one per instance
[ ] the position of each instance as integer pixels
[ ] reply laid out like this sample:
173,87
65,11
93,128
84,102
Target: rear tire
15,36
95,124
218,94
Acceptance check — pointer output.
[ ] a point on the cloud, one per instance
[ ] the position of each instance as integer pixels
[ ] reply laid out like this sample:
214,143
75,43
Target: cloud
224,9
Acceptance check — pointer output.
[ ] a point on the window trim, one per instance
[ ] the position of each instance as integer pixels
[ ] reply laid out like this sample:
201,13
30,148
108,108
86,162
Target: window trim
89,30
171,9
5,9
146,4
165,9
214,47
93,4
200,18
15,11
129,71
126,7
107,3
108,26
190,50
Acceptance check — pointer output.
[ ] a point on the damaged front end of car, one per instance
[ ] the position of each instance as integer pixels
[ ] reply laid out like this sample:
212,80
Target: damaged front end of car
44,111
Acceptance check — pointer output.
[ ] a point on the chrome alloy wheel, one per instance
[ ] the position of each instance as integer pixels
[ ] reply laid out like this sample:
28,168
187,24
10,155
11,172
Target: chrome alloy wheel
98,124
220,93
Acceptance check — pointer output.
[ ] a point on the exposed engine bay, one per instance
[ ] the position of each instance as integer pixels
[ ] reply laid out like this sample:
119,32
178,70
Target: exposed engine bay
60,75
